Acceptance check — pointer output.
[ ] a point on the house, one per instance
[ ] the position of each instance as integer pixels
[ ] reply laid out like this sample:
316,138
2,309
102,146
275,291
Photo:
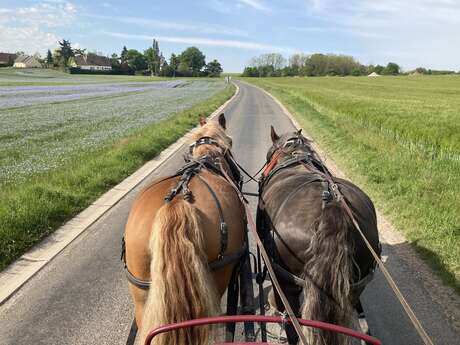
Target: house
373,74
7,59
24,61
92,62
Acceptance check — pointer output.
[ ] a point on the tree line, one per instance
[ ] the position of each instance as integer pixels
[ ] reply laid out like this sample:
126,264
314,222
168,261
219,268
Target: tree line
189,63
275,65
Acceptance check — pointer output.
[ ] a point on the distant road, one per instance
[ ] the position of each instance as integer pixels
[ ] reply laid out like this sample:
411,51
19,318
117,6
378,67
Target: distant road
81,297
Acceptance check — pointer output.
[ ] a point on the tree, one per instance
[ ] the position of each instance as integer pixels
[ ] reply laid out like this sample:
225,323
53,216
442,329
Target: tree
213,69
136,60
66,52
391,69
174,64
421,70
166,70
378,69
194,58
183,69
49,58
124,55
153,58
251,72
115,60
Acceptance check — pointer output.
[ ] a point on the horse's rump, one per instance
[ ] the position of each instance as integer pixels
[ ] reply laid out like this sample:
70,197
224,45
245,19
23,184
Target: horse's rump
159,236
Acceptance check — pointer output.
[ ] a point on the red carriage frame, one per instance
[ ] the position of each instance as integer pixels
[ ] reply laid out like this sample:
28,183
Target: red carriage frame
259,318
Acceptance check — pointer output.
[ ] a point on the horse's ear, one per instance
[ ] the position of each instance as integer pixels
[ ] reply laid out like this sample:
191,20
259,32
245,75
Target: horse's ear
274,136
222,121
202,121
299,132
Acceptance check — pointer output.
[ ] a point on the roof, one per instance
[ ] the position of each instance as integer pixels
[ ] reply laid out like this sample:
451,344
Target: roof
28,60
373,74
92,60
7,57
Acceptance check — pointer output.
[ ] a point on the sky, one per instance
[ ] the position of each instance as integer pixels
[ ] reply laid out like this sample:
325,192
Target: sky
411,33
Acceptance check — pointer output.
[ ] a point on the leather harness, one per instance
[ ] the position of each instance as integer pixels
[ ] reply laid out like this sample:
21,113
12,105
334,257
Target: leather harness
192,169
331,192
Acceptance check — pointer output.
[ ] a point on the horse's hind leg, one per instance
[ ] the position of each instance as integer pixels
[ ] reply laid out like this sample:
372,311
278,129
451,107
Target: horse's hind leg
293,294
139,297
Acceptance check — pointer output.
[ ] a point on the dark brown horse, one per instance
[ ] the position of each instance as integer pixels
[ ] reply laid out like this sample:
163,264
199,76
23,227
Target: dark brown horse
321,260
184,236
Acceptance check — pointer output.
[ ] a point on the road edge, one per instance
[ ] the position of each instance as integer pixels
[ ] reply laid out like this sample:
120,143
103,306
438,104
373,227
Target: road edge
13,277
439,292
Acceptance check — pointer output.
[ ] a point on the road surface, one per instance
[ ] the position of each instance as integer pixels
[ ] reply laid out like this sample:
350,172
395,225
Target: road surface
81,296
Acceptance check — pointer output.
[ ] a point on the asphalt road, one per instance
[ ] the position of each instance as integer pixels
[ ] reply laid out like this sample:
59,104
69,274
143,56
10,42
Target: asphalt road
81,297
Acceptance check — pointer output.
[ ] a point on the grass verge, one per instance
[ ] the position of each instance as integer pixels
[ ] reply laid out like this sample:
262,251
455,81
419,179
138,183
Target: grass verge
416,189
31,210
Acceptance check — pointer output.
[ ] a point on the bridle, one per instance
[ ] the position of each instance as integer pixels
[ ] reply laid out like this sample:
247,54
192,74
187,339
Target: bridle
206,141
274,155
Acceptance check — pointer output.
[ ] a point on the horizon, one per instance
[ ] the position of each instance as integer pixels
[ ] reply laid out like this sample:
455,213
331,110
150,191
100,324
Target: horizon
405,33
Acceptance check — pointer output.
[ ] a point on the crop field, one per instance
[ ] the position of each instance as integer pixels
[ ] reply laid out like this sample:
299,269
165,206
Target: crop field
399,138
63,146
19,96
40,137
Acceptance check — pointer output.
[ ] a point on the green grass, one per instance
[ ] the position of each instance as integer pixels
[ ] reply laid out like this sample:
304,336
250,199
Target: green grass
35,208
399,138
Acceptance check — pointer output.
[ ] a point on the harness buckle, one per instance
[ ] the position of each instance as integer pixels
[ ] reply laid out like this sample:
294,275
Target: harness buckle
326,196
223,228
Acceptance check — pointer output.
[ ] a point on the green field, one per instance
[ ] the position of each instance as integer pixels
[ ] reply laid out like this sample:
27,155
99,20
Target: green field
57,158
399,138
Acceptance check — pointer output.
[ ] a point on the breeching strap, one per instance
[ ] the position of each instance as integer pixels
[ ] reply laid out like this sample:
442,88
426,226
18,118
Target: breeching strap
252,226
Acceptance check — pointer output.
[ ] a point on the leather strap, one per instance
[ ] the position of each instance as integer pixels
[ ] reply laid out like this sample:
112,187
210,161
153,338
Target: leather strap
223,226
213,266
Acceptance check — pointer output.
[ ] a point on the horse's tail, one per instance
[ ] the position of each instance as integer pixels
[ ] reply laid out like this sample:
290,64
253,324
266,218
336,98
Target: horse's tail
327,274
182,287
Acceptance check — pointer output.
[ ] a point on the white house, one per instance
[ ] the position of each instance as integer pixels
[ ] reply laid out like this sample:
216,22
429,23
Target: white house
24,61
92,62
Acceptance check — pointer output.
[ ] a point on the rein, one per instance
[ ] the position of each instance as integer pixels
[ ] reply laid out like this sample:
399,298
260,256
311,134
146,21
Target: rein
253,227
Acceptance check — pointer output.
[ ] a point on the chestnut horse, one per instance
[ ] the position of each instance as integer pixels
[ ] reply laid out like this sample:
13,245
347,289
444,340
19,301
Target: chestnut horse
319,257
173,240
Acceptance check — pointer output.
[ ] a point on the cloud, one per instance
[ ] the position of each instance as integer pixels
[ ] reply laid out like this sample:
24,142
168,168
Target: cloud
255,4
174,26
32,29
413,33
204,41
13,40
